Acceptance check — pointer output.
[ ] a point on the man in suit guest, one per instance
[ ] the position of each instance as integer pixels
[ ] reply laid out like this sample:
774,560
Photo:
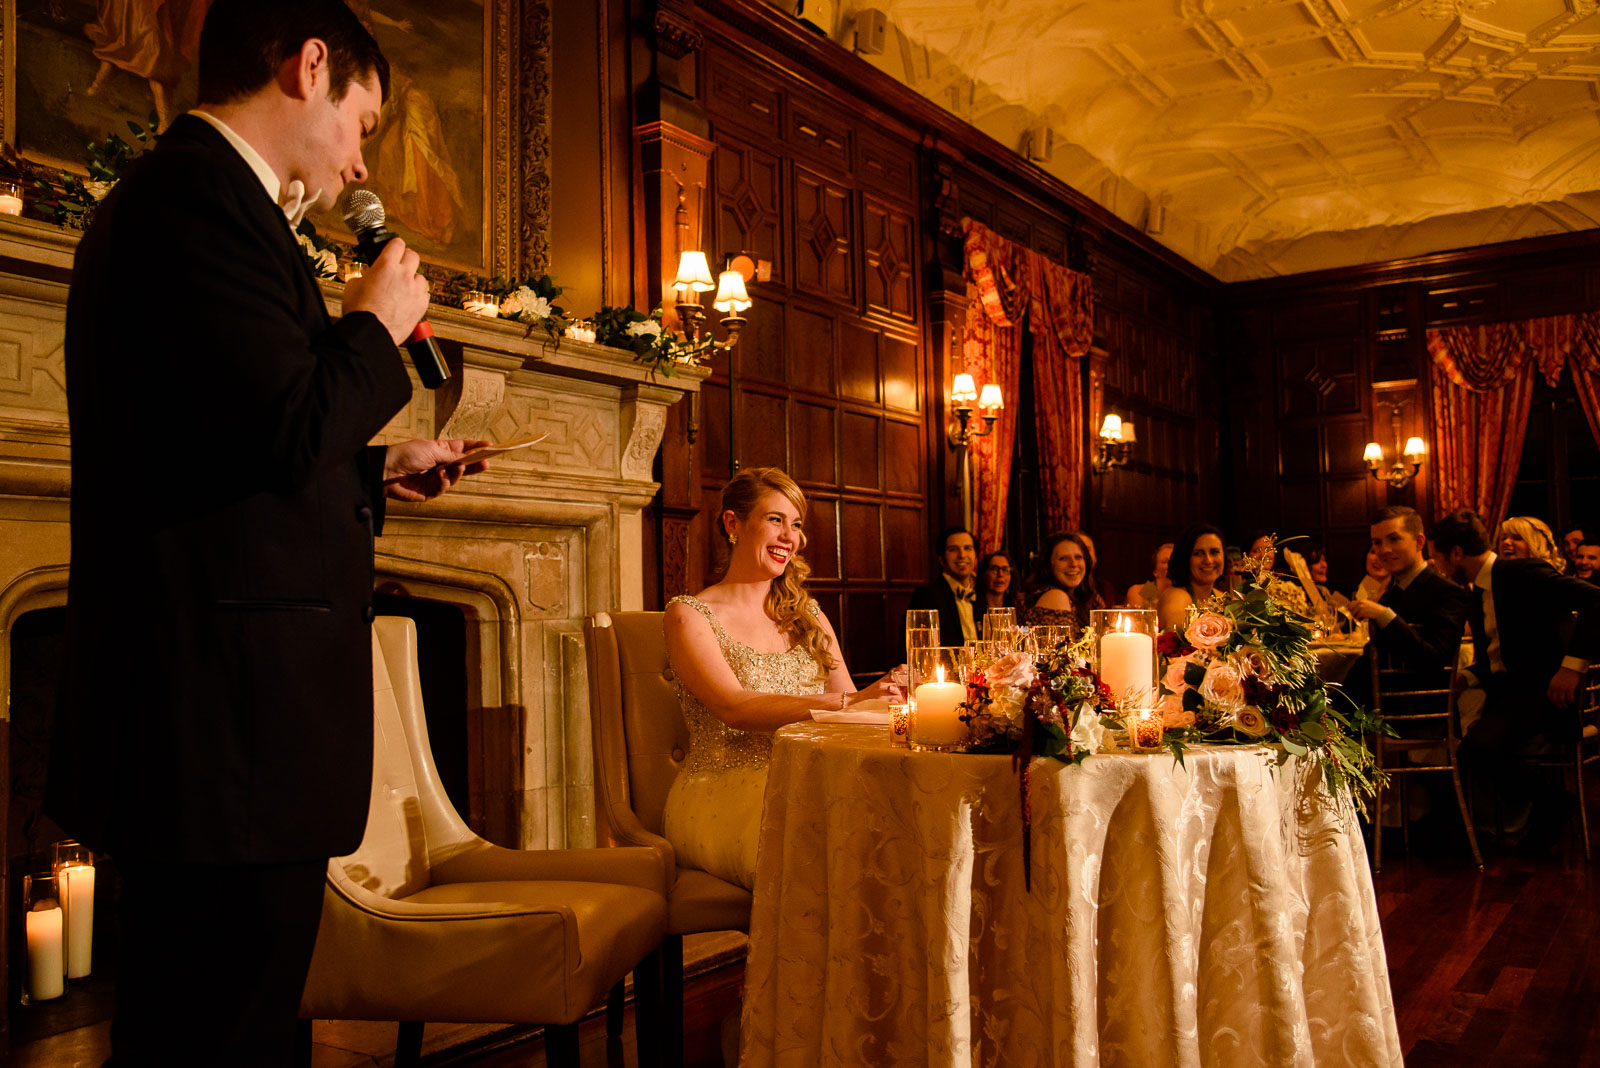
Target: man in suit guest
1418,622
1571,538
953,593
1586,562
1530,672
215,725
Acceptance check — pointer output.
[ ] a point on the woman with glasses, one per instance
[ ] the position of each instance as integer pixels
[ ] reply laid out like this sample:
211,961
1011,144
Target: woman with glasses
996,585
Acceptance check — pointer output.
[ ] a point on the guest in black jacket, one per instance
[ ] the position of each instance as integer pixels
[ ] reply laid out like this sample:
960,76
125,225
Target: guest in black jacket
215,727
1531,673
1418,622
954,592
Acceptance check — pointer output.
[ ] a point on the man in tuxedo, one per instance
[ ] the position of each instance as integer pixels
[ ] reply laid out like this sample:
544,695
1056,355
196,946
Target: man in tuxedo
1520,611
1586,562
1571,539
1418,622
954,592
215,726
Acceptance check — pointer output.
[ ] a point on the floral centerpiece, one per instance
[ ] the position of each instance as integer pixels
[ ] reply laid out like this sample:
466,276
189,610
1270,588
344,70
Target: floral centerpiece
1239,672
643,335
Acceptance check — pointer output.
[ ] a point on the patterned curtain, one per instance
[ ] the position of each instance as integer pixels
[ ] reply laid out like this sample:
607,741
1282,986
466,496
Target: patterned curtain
1483,379
1010,289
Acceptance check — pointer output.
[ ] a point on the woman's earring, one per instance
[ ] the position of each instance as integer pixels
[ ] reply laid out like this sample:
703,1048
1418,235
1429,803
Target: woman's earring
733,539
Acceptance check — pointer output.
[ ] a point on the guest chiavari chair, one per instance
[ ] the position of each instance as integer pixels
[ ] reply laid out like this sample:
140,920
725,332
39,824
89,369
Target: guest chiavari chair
640,742
1421,706
1580,748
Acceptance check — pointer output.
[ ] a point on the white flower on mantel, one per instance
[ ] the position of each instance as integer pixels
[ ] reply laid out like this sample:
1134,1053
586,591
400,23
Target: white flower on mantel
1088,732
535,307
98,190
648,327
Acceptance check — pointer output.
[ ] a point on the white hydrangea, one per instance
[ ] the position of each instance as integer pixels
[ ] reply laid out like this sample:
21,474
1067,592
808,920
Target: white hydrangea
649,327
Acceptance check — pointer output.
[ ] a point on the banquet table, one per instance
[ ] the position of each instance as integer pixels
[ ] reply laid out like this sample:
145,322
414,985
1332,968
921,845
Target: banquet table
1218,913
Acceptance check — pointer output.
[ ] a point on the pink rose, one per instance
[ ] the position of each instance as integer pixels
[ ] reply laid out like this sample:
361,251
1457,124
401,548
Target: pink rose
1247,720
1209,630
1254,662
1173,714
1223,686
1173,680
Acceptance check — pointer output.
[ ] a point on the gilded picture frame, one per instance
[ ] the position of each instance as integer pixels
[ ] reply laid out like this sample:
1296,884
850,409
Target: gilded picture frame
461,156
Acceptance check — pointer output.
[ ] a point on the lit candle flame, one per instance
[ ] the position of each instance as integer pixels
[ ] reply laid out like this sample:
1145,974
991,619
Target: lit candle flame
939,671
1124,624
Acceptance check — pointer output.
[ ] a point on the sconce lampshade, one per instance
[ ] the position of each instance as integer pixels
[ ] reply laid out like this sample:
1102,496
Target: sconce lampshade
1415,449
1128,437
694,273
991,397
1111,429
731,295
963,390
1373,454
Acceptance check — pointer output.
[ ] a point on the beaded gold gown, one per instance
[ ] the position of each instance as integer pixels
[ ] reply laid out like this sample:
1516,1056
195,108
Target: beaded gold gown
713,811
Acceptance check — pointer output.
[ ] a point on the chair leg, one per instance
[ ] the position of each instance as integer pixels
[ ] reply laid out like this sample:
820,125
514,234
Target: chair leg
561,1046
1405,817
647,1030
1466,814
614,1011
1583,807
672,1001
302,1044
408,1044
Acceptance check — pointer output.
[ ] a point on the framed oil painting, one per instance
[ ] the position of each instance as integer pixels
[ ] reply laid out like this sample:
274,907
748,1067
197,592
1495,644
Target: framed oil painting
445,157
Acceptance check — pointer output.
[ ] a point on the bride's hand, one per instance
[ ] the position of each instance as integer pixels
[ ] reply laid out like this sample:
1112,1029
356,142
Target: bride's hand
890,687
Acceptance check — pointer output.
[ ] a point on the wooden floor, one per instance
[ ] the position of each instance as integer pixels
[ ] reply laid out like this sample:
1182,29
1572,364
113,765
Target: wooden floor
1499,967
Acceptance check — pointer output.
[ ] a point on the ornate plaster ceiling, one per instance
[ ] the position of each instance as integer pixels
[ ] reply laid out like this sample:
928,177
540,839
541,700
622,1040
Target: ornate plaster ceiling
1259,137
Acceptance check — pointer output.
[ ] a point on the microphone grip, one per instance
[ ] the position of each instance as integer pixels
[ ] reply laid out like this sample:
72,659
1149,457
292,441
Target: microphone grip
426,356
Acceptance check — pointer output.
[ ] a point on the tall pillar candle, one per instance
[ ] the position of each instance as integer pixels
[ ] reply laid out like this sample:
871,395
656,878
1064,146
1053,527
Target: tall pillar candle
77,892
1127,662
937,719
45,971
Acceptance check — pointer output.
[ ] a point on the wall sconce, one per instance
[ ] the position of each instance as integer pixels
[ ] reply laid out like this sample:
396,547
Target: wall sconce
1398,474
1114,447
694,278
963,391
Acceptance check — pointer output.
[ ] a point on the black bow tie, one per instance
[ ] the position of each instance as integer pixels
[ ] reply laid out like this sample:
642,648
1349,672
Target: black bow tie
965,595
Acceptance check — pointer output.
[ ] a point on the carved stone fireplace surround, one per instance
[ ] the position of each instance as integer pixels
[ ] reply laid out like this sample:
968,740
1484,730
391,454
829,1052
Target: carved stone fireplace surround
549,535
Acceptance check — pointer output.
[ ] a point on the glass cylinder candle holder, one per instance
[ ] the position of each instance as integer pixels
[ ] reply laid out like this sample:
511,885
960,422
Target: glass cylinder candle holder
900,725
922,632
10,198
936,722
1144,729
73,866
44,927
1125,653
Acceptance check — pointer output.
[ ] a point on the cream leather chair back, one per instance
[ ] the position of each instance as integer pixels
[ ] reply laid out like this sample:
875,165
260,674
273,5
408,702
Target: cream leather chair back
641,737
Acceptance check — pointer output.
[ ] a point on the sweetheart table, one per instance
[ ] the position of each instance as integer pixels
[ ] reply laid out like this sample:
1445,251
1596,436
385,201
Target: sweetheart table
1220,913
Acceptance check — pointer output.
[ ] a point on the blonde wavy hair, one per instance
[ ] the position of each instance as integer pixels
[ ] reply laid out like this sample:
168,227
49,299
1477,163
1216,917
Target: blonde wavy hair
1541,542
787,603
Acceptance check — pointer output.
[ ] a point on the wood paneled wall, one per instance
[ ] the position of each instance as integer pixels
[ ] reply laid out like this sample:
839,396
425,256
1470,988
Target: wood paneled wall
830,380
1317,362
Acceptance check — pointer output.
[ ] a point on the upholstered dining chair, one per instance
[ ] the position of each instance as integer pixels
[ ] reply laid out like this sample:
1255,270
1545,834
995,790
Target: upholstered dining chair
427,921
640,742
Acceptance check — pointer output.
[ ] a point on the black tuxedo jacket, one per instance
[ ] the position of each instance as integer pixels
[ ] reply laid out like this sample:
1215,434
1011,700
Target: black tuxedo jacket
938,594
1430,617
1533,610
218,705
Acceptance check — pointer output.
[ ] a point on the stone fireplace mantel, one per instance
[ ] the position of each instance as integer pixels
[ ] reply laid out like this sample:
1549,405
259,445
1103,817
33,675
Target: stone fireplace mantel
549,535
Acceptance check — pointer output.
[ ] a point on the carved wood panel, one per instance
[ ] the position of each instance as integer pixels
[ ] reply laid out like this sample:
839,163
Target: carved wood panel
822,139
887,248
823,237
749,202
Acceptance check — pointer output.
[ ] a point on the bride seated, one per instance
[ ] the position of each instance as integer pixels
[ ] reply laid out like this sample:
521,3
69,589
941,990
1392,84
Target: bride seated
751,653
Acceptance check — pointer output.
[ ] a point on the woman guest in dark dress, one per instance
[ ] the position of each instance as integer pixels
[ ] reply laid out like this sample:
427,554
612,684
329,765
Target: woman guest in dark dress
998,584
1197,568
1064,589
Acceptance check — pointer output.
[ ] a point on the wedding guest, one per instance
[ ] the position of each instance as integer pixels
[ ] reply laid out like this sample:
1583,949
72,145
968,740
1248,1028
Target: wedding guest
1317,565
1519,608
1523,537
1063,589
954,592
1586,562
1198,565
751,653
997,585
1375,581
1571,539
1102,585
1145,595
1418,620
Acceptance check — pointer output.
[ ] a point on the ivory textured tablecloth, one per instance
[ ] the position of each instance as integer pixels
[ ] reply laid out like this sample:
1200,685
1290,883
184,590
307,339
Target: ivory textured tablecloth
1217,914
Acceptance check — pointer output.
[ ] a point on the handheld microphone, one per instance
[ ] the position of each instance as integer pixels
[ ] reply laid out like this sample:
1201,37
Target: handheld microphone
365,216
